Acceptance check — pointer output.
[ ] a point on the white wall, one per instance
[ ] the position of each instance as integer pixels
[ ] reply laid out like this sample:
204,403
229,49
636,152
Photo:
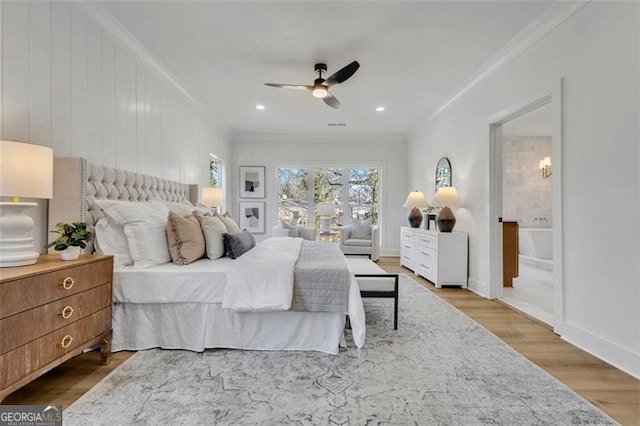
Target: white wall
274,150
71,80
596,51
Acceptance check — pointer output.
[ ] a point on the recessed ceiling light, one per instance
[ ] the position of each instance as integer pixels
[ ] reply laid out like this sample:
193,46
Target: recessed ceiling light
380,109
260,107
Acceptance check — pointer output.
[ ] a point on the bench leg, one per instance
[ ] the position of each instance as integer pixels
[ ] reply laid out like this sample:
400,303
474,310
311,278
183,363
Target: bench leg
395,306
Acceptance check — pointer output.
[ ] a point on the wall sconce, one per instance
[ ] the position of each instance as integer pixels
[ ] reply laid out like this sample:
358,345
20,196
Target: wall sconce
545,167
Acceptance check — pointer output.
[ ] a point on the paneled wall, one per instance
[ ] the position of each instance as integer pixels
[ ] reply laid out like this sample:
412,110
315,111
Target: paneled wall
72,80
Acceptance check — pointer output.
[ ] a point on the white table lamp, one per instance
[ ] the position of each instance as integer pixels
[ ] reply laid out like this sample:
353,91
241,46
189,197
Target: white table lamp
26,170
212,197
415,201
446,196
326,211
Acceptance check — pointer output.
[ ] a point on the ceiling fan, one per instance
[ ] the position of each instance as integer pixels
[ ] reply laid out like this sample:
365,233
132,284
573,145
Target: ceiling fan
320,88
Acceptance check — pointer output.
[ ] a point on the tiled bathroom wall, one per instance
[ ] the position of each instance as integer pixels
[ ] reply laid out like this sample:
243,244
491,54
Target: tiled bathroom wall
526,194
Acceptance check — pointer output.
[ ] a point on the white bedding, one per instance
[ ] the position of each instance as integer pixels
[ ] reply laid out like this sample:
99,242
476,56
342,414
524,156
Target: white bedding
180,307
202,281
263,277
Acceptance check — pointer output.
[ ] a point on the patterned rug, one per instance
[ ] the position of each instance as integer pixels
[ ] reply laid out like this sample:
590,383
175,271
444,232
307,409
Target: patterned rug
439,368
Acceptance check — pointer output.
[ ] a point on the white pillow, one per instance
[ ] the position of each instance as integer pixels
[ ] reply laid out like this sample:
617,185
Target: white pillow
213,229
111,239
361,229
124,212
148,243
293,229
145,227
183,208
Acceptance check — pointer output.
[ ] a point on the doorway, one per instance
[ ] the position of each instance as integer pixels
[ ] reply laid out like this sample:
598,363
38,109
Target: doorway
527,176
517,155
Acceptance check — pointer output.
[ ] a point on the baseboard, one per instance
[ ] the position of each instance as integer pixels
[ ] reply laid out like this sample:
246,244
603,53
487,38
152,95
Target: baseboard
612,353
478,287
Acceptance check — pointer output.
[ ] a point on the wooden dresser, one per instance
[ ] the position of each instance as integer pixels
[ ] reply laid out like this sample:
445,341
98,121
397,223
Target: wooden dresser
50,312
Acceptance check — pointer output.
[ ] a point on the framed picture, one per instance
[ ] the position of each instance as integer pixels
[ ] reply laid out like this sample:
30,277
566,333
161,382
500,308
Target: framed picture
251,182
252,216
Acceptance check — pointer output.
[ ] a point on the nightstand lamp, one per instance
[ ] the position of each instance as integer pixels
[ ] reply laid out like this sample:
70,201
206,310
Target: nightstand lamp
326,211
415,201
26,170
446,196
212,197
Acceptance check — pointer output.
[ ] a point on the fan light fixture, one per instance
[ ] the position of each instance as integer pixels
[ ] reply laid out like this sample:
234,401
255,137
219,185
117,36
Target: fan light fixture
320,91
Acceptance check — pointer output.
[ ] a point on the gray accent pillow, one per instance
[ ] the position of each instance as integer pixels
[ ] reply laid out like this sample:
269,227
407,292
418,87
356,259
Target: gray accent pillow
361,229
239,243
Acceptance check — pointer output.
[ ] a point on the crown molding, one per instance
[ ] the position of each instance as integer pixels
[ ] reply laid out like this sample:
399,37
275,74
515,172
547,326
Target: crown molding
112,25
550,18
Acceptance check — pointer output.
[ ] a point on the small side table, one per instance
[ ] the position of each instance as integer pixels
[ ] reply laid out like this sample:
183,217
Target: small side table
328,236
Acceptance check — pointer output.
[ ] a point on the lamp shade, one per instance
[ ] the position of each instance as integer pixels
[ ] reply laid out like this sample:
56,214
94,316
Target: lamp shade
212,197
447,196
326,209
416,199
26,170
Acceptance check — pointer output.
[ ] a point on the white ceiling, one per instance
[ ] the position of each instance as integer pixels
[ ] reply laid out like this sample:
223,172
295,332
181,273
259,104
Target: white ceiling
413,56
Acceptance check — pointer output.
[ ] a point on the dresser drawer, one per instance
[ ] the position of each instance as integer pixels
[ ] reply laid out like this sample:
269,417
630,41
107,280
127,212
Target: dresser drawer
406,235
426,256
428,241
26,326
26,293
31,357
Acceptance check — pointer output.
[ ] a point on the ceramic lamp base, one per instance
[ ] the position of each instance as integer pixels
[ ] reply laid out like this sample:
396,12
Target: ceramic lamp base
16,242
415,218
446,220
325,224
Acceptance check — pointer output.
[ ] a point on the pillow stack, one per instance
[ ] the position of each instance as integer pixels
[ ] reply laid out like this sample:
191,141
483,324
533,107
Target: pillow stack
145,234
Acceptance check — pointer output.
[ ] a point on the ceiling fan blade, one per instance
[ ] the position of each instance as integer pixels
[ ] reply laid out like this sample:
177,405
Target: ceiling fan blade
342,74
290,86
332,101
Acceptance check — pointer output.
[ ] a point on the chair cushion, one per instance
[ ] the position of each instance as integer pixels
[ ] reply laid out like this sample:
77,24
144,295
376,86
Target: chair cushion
361,229
357,242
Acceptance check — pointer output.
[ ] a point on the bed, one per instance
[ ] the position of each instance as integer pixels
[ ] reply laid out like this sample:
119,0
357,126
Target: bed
181,307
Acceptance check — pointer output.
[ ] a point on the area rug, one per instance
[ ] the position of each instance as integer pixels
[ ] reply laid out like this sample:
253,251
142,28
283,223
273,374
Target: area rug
439,368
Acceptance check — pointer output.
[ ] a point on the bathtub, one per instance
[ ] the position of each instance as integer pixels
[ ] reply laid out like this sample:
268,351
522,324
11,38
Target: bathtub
536,243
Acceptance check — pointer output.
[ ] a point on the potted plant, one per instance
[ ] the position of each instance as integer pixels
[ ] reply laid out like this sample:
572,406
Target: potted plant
73,237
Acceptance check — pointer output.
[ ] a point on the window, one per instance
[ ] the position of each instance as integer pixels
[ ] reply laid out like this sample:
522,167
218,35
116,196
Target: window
217,177
353,191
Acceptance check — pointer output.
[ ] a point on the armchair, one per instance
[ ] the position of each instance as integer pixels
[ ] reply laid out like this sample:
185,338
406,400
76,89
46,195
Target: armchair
287,230
369,246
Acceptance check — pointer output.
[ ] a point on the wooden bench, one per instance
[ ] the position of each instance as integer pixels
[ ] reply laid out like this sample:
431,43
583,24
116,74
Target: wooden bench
373,281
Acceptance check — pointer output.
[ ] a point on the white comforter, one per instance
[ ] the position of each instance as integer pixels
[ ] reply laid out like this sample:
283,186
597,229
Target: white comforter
262,278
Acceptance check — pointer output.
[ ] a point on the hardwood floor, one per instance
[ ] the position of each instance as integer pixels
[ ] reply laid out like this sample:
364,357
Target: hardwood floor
614,392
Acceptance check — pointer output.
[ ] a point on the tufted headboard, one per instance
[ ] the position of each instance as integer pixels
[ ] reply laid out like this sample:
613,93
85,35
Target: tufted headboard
77,183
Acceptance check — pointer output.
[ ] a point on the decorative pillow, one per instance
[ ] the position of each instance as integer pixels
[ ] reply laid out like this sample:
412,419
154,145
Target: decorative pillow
239,243
145,227
361,229
232,226
148,243
293,229
111,239
186,242
213,229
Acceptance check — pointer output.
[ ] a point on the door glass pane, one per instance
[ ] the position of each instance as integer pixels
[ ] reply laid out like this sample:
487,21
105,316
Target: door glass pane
363,193
328,189
293,195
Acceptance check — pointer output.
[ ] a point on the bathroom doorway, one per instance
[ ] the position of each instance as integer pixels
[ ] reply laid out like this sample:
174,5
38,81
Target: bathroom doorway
535,207
527,176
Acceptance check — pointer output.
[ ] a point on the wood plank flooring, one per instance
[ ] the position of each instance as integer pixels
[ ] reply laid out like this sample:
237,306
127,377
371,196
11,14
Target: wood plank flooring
614,392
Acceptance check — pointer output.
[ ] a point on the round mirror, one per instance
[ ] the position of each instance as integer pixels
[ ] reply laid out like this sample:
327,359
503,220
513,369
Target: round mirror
443,173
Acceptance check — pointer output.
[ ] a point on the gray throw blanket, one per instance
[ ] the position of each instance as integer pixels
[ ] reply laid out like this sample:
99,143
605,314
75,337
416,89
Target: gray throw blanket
321,279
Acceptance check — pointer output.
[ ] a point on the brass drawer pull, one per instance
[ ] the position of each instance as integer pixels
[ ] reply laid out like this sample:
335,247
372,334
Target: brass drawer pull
68,283
66,312
66,341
